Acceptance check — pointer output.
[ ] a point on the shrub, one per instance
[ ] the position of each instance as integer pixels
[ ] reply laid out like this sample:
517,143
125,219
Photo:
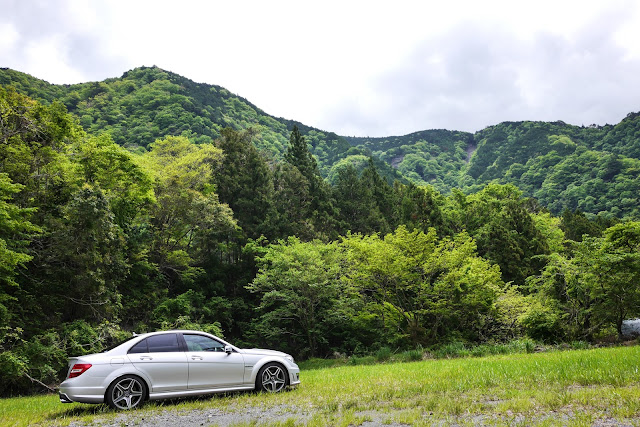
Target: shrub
580,345
454,349
526,345
411,355
384,353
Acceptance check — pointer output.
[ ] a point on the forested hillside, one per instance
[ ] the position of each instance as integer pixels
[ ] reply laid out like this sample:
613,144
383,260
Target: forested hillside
433,157
272,245
595,169
149,103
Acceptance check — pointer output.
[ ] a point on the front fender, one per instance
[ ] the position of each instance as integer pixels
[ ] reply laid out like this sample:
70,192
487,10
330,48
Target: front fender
288,366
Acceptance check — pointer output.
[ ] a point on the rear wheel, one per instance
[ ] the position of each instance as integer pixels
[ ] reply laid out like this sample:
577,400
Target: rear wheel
126,392
272,378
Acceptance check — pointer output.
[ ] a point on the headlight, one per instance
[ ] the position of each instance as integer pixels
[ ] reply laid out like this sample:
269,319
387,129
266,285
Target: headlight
290,359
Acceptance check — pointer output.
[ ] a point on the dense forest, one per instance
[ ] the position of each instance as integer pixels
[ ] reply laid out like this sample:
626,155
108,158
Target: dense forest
151,202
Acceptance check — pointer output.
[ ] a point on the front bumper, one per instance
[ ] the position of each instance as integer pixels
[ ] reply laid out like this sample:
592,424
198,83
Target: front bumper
294,378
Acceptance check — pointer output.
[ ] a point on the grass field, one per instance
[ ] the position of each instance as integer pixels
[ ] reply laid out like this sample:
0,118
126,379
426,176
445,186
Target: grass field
579,387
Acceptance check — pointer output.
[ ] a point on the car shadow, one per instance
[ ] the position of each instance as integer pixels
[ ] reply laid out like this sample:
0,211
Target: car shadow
80,410
86,409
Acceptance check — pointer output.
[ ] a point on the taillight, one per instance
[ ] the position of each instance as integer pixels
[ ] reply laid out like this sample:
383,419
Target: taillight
78,369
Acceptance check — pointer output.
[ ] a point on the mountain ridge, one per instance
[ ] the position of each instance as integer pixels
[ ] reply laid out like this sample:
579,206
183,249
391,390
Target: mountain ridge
544,159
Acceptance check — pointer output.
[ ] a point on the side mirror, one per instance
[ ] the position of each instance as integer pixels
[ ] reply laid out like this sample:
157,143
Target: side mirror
228,349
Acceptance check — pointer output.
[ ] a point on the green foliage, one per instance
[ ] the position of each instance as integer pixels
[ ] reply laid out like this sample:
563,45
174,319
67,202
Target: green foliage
593,169
189,310
163,203
188,215
90,246
498,218
149,103
244,182
383,353
419,207
301,293
617,269
589,291
576,225
411,355
319,208
360,211
15,230
434,157
102,163
438,287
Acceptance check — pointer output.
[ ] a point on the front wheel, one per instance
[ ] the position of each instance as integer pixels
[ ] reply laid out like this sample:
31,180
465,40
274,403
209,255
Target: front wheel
127,392
272,378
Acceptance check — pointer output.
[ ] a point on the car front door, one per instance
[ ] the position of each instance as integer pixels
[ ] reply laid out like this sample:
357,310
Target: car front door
163,361
210,367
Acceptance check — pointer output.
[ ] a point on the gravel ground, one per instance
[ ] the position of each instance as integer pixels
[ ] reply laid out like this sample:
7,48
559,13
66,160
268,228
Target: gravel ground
208,417
259,415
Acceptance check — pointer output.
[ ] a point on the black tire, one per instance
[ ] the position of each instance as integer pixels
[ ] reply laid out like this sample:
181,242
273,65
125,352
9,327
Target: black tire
127,392
272,378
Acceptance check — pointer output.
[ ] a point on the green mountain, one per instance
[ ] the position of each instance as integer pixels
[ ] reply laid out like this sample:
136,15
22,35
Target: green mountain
595,169
149,103
434,157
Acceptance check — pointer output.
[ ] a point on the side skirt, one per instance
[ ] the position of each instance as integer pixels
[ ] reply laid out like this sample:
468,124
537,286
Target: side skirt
184,393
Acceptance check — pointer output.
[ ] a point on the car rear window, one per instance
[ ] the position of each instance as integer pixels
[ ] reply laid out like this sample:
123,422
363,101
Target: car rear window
141,347
163,343
157,344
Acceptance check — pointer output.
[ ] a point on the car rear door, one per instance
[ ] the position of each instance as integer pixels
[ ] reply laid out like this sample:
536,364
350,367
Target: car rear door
162,359
210,367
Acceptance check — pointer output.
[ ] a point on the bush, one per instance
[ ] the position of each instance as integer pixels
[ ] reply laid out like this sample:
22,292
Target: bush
384,353
580,345
364,360
411,355
12,370
454,349
526,345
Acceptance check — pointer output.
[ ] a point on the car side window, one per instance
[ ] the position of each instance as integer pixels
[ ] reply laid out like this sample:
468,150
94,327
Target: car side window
202,343
141,347
163,343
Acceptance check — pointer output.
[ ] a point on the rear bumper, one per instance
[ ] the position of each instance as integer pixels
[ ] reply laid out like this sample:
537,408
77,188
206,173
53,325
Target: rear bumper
69,393
64,398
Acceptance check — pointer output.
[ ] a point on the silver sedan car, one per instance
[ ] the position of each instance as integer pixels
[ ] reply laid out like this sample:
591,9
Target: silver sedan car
170,364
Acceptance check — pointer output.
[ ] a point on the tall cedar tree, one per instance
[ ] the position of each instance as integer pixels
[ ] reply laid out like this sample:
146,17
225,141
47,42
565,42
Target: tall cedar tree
244,182
321,210
355,201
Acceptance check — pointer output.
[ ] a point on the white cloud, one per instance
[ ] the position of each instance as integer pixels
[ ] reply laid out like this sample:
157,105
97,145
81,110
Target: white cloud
354,67
9,37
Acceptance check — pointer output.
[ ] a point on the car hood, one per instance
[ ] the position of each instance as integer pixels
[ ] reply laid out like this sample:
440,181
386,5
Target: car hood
263,352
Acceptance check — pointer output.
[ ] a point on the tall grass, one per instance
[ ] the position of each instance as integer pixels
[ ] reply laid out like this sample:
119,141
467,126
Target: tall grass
570,387
446,351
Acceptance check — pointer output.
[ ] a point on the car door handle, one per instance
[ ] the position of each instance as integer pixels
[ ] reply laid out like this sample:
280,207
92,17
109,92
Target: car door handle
146,358
196,357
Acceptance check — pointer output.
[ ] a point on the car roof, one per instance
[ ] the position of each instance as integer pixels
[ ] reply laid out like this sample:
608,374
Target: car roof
183,331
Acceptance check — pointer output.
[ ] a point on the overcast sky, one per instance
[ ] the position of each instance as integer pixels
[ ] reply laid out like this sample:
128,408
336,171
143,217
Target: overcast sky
363,68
